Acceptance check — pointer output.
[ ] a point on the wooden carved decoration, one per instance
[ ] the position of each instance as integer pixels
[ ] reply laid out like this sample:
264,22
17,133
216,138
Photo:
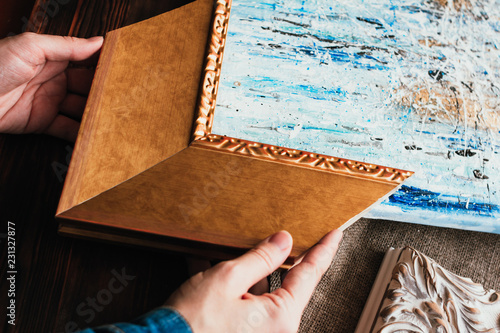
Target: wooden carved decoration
208,93
148,170
422,296
302,158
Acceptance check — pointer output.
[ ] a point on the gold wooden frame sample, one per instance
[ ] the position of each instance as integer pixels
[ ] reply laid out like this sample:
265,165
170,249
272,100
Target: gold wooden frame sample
143,174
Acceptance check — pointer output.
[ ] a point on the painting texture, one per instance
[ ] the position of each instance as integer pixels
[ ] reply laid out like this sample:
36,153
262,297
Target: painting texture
408,84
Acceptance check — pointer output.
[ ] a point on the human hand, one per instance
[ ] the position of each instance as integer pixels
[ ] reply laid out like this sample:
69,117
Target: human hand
218,300
38,92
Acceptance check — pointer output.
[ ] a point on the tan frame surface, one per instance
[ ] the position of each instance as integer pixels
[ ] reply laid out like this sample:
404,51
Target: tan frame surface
143,174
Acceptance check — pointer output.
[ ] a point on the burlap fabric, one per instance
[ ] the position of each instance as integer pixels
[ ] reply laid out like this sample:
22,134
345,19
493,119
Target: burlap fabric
341,295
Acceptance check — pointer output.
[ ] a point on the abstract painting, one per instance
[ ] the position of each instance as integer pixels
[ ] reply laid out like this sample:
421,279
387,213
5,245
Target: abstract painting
408,84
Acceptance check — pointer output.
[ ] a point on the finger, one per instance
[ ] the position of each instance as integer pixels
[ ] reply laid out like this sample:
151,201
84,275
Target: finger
64,128
262,260
57,48
260,287
79,80
73,106
63,48
302,279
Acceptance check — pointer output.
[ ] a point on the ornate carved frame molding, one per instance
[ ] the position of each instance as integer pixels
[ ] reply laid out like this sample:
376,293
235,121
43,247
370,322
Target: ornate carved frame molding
413,293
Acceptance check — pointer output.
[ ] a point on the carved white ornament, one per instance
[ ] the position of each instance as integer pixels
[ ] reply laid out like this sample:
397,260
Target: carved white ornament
422,296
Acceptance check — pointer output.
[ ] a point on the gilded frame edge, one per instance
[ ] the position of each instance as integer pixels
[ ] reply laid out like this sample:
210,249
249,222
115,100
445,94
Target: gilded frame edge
203,137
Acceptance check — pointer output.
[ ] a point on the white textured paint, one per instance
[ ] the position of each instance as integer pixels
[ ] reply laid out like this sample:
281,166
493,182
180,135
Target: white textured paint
344,78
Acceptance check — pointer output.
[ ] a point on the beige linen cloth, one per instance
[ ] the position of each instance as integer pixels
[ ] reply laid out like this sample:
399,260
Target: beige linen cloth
340,297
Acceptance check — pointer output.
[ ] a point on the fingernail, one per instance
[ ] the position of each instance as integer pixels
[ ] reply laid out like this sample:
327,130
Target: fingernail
95,39
281,239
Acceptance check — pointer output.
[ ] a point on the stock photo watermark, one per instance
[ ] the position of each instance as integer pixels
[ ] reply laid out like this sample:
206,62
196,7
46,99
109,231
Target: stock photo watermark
47,9
88,308
11,272
203,196
61,169
254,321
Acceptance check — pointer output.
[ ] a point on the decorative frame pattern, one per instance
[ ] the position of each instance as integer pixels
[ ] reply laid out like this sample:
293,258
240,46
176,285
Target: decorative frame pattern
300,158
414,293
215,51
204,117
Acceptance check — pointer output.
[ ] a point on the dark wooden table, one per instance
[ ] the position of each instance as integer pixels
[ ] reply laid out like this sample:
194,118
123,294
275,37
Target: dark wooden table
63,284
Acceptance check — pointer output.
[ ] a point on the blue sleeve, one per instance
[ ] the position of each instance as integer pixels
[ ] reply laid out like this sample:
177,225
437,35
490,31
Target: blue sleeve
161,320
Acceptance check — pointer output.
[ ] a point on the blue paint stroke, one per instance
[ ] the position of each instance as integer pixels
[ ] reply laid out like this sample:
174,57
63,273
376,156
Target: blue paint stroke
409,197
343,78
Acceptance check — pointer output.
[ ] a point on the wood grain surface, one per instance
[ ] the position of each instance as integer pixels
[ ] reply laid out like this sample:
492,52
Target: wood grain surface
140,109
56,275
210,196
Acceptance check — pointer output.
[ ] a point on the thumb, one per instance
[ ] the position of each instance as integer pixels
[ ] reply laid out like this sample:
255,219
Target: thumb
57,48
263,259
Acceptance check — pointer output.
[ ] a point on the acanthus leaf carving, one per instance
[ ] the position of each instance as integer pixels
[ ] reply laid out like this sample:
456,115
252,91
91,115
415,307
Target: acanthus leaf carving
424,297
